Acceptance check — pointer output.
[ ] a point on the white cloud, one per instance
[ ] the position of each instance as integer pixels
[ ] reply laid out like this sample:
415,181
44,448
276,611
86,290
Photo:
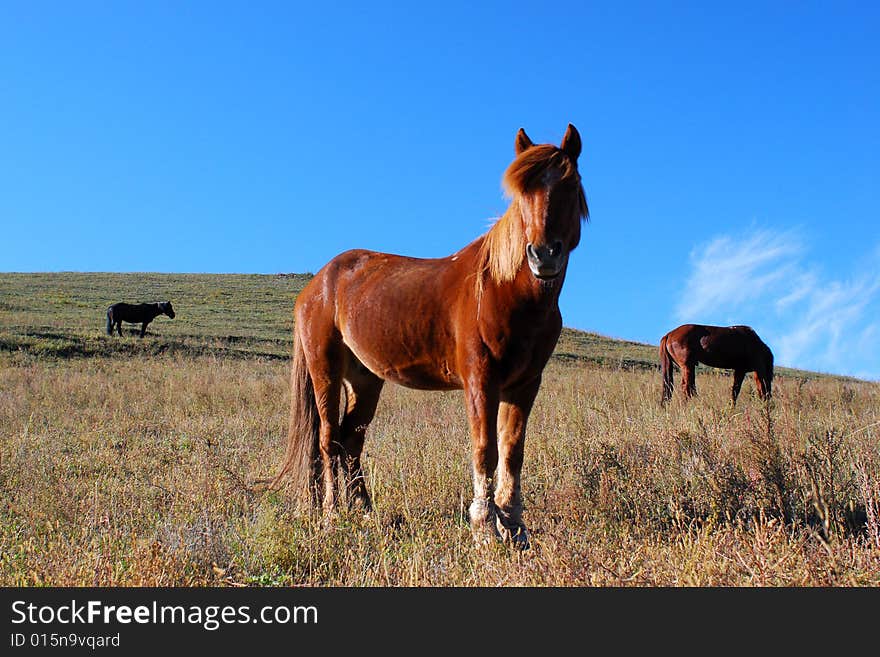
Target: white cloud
803,284
811,321
829,322
729,272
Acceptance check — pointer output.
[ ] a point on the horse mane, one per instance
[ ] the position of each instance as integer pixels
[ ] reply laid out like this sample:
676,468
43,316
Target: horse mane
502,253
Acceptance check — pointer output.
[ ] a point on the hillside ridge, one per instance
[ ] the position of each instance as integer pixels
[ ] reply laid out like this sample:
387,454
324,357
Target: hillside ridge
62,315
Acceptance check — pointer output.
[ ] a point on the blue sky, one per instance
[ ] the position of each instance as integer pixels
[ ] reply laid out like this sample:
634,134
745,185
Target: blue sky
731,154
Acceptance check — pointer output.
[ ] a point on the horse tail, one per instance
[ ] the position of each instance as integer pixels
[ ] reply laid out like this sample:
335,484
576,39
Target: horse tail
109,321
666,370
304,429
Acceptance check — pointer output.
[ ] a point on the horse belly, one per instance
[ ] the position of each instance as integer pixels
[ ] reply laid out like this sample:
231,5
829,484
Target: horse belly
407,362
421,378
422,374
713,361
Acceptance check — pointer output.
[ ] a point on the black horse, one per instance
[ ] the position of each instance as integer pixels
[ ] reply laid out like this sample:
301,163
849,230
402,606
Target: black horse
136,313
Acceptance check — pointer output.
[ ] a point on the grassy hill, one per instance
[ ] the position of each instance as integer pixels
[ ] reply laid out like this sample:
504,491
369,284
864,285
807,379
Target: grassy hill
225,315
126,461
64,314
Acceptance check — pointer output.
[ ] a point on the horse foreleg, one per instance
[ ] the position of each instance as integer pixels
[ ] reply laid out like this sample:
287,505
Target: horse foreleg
482,410
513,414
738,377
144,328
762,383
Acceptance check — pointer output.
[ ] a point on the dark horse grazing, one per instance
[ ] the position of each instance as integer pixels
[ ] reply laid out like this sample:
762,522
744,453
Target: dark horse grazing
484,320
140,313
732,347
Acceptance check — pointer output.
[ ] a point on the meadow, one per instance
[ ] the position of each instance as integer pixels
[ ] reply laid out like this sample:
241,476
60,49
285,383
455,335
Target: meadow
128,462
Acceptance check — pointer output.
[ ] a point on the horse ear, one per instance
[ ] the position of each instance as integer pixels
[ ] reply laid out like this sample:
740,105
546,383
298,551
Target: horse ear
571,143
522,141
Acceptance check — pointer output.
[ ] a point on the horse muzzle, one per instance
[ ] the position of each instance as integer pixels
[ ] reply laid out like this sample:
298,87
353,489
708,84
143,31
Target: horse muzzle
545,262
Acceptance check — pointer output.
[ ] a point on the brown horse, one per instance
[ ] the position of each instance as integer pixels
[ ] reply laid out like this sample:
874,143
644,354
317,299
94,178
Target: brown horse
732,347
484,319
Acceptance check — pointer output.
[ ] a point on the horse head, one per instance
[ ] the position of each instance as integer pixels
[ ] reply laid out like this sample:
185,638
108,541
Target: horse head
166,308
546,187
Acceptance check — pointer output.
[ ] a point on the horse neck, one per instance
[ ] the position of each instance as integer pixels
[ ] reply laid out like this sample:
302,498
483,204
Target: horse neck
524,293
502,268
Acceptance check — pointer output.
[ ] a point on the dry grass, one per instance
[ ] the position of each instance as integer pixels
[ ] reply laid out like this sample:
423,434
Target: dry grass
131,469
134,476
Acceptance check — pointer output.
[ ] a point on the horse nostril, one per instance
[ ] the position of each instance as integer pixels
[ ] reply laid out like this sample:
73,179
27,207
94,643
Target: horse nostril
556,249
530,251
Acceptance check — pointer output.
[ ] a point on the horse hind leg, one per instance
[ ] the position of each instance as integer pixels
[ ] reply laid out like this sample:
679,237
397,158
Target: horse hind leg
362,390
689,380
325,367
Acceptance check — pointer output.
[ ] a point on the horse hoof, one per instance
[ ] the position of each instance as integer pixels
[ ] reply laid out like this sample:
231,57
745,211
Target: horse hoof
516,535
361,505
484,535
329,519
482,516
